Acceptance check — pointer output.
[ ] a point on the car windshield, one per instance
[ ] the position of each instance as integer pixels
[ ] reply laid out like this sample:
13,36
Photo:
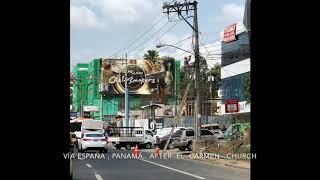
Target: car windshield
94,135
164,131
177,133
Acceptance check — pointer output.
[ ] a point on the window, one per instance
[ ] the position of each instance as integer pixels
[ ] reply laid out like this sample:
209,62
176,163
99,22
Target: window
178,133
189,133
235,51
206,132
149,132
190,107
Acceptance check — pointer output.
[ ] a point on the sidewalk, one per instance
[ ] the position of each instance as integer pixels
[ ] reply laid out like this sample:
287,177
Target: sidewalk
242,164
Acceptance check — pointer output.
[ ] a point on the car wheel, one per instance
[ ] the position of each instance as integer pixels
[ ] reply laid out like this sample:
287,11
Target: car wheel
128,146
182,148
148,145
189,146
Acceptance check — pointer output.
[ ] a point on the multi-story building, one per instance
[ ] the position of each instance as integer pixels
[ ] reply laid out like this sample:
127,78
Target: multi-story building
147,82
235,67
79,82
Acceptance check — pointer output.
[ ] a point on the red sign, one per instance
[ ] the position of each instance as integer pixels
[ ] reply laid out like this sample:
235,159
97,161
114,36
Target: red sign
232,105
230,33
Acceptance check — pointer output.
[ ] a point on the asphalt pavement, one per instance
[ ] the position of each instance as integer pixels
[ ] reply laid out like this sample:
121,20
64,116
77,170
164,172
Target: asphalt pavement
121,165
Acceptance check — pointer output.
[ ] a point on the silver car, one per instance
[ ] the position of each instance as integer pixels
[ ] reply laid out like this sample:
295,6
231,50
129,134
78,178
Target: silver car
185,140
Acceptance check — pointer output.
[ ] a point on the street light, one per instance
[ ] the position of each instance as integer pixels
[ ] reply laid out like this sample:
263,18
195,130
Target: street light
162,45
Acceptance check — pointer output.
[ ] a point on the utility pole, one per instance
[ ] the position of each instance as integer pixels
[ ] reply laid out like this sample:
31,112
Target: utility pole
197,66
101,92
127,95
186,7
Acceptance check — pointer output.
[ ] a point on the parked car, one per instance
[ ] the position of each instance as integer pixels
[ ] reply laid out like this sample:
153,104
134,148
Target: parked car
161,142
93,141
210,127
216,132
163,135
185,140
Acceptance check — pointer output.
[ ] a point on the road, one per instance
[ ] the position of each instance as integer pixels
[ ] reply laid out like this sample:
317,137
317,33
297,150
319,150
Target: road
119,165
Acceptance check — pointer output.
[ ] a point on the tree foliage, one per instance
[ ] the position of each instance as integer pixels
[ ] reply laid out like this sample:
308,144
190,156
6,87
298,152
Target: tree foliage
246,86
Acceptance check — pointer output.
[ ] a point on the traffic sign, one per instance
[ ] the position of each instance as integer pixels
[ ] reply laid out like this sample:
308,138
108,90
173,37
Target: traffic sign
232,105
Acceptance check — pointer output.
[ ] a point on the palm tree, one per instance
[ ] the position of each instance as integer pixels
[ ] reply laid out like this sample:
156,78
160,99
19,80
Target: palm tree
152,55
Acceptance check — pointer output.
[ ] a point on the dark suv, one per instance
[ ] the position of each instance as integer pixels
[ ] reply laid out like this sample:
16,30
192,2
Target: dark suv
185,140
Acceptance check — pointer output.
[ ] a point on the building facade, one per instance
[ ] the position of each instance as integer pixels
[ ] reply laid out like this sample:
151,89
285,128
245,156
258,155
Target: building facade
235,67
104,77
79,82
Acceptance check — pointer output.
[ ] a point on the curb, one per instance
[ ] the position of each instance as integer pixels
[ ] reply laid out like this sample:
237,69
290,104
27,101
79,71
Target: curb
215,162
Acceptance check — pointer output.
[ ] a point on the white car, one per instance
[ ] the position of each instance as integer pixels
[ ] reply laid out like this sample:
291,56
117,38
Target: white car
217,132
93,141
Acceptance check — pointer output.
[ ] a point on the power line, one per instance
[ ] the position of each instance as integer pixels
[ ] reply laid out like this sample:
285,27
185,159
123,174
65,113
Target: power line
177,42
148,38
158,38
140,36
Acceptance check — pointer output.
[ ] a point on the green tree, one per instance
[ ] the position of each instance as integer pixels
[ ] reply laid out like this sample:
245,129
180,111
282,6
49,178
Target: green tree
204,73
152,55
185,79
246,87
168,58
215,71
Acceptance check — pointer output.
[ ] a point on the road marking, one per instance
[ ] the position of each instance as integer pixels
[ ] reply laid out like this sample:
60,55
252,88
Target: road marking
98,177
183,172
89,166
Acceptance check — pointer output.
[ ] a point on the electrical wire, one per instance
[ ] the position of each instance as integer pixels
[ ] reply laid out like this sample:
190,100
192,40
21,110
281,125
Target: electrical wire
142,34
152,36
157,38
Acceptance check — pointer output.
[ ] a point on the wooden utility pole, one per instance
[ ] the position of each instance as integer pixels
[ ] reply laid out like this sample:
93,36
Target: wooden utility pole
186,7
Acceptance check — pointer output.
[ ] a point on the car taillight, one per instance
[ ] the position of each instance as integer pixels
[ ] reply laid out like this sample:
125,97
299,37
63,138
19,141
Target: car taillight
104,139
84,139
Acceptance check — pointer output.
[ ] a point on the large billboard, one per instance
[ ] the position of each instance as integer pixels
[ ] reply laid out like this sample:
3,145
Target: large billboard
149,77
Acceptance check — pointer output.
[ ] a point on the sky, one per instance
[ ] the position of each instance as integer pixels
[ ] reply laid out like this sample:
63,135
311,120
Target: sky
101,28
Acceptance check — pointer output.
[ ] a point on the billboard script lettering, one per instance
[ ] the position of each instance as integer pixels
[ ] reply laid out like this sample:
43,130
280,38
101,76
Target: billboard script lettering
145,77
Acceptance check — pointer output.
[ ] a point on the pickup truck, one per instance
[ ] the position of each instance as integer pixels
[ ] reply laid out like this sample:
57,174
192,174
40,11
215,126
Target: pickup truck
130,136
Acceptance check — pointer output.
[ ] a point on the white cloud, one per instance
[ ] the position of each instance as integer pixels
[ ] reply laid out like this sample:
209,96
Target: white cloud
83,17
230,13
123,11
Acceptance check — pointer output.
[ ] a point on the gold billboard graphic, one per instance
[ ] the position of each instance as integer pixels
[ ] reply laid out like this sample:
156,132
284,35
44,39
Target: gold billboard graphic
144,76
